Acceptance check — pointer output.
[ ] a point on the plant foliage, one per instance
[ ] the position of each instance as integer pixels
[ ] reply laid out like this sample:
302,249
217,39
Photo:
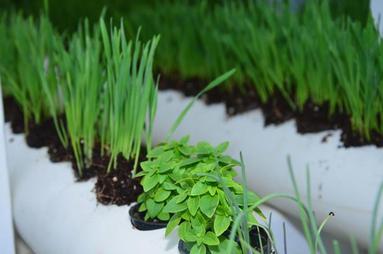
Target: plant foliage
183,185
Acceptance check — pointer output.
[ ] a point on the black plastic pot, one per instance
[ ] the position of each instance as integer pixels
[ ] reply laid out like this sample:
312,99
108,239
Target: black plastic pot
255,233
138,221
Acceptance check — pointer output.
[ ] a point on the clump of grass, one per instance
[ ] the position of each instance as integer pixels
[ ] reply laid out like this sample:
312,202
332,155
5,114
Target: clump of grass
130,95
80,84
306,55
26,63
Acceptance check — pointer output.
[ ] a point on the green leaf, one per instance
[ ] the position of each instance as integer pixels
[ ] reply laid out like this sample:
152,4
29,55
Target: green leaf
161,195
141,198
140,174
199,225
142,208
198,189
169,186
173,207
204,148
173,222
181,197
147,166
222,147
186,232
210,239
198,249
155,152
163,216
184,140
186,150
165,168
212,190
193,203
251,220
223,246
153,208
188,162
208,204
149,182
221,224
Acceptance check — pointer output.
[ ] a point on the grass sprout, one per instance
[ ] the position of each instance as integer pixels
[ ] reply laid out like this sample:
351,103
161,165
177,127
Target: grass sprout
26,65
130,93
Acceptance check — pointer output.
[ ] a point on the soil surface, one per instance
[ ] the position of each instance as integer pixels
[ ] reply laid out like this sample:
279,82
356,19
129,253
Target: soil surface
117,187
13,114
239,99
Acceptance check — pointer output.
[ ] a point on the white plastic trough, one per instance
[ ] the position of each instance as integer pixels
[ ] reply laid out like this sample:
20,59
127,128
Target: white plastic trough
6,228
344,181
56,215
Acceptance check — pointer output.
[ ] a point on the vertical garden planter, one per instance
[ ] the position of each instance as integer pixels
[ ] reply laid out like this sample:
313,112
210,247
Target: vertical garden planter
55,214
343,180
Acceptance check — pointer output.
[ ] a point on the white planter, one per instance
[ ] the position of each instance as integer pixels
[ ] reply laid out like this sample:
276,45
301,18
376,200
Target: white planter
344,181
56,215
6,228
377,11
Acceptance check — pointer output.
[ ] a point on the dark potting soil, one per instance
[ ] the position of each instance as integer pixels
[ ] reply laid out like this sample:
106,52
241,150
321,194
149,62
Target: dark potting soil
313,118
13,114
43,134
117,187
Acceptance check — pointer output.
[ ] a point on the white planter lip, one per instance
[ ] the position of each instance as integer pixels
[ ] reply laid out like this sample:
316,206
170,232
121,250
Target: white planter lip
341,181
56,215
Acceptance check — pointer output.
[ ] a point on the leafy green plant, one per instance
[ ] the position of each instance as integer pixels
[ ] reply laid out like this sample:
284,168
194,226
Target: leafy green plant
183,185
